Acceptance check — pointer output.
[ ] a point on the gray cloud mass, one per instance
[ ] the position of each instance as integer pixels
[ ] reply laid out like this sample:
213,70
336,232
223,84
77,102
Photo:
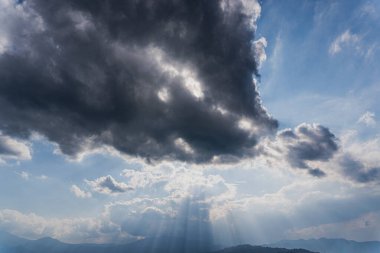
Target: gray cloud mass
306,143
157,79
357,171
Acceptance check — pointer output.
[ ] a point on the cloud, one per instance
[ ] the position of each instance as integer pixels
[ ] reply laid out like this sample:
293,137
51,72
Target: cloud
343,40
72,230
357,171
259,49
42,177
78,192
363,228
145,178
359,158
305,144
176,182
24,175
368,119
168,83
108,185
154,217
14,149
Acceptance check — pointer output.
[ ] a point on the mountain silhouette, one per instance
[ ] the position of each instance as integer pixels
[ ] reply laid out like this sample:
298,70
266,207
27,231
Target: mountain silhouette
13,244
324,245
259,249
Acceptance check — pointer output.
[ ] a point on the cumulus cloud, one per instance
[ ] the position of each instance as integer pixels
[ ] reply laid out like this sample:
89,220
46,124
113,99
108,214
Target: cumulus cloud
153,79
305,144
78,192
177,182
167,189
15,149
108,185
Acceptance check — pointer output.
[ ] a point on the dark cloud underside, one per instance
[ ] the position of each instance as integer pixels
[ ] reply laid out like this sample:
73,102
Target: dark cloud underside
308,143
357,171
156,79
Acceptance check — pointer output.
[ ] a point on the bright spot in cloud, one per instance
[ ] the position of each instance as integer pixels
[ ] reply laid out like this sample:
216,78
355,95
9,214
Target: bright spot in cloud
259,50
3,45
247,125
182,144
187,76
164,95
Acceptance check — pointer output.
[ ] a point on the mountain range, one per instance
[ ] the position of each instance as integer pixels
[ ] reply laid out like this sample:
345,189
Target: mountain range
12,244
325,245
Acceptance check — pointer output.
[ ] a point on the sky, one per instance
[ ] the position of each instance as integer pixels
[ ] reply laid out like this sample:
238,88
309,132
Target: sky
232,121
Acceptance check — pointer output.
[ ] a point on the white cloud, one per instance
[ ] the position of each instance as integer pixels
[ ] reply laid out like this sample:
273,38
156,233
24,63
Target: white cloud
108,185
346,39
259,50
79,192
144,178
176,182
42,177
24,175
250,8
72,230
368,119
14,149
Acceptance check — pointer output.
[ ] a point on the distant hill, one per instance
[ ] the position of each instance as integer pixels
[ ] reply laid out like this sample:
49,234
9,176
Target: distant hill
13,244
259,249
324,245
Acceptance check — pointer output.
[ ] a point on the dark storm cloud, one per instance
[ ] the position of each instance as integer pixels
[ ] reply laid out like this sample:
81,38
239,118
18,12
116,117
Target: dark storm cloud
158,79
357,171
308,143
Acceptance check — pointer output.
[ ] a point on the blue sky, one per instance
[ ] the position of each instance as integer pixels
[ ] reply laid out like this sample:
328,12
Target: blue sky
318,67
